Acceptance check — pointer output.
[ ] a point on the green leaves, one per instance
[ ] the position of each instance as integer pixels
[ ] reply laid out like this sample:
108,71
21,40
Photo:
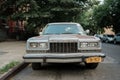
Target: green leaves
8,66
107,14
43,11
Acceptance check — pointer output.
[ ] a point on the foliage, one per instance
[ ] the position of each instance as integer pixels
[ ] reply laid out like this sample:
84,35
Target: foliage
87,17
107,14
50,10
8,66
39,12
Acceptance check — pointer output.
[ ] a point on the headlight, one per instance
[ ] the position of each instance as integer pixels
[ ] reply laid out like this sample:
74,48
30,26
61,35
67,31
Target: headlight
43,45
33,45
83,44
38,45
89,44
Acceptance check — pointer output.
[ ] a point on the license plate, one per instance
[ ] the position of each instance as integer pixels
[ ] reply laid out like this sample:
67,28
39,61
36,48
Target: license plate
93,59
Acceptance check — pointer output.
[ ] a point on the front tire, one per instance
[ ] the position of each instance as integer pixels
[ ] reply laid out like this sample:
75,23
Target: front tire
91,65
36,66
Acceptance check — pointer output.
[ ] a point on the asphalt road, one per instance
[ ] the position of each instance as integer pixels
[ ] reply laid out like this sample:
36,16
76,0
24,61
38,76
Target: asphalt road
107,70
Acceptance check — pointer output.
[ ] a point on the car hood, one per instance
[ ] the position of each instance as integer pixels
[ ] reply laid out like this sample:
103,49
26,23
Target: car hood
63,37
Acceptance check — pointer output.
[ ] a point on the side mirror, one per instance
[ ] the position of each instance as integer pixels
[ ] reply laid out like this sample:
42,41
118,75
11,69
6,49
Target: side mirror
87,31
40,33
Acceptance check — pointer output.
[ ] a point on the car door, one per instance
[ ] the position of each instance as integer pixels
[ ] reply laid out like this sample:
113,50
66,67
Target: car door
118,37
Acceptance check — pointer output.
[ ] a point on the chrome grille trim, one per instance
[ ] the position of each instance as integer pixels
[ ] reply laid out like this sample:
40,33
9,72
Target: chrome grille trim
63,47
37,51
79,51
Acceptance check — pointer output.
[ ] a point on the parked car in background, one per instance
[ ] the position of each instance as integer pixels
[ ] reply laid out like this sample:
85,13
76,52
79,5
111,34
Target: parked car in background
117,38
108,38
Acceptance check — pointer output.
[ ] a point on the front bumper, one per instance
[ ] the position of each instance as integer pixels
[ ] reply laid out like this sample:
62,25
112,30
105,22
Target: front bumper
60,58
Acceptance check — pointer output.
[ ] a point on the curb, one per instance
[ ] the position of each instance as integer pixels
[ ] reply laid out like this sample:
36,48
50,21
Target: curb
13,71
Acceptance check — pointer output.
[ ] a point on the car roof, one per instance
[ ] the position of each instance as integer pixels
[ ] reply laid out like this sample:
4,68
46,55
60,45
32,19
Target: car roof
63,23
107,34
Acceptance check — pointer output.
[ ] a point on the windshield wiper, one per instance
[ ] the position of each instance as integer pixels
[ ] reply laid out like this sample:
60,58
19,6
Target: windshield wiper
67,33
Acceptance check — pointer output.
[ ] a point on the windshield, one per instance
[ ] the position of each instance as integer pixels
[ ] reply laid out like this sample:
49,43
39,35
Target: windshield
63,29
110,35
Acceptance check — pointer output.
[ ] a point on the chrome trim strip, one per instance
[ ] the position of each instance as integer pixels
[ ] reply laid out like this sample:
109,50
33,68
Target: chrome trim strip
72,55
54,60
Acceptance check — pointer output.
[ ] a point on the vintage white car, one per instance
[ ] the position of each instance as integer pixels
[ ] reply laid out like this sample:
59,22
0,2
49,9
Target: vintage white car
63,43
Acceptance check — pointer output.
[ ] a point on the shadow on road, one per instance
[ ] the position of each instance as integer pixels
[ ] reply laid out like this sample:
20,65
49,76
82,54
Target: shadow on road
64,67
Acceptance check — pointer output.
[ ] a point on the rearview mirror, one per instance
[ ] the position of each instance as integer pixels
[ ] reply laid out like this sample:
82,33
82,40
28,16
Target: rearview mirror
87,31
40,33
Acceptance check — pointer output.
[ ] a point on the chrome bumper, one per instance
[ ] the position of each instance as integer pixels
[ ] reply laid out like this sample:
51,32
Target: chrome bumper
60,58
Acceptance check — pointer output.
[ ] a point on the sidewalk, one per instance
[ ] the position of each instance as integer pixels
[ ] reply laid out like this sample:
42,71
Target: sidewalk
11,51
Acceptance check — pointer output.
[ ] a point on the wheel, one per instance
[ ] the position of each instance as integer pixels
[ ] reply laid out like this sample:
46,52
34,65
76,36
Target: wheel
36,66
91,65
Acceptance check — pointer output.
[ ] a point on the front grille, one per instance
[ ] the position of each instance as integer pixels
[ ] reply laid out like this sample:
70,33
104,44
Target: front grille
64,47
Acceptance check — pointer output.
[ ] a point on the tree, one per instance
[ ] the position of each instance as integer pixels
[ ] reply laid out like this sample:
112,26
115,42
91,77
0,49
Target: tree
50,10
38,12
107,14
87,17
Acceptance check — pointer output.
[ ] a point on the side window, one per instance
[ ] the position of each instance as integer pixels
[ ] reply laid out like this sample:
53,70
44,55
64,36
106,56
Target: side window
118,34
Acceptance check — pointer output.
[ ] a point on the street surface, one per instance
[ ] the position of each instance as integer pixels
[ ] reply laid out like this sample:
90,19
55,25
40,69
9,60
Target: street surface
107,70
11,51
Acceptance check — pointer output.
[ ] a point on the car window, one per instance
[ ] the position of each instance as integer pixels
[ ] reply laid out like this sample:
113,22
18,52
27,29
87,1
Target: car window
63,29
118,34
110,35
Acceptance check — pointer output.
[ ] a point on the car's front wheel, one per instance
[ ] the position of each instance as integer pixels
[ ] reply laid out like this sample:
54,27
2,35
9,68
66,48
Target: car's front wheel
36,66
91,65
